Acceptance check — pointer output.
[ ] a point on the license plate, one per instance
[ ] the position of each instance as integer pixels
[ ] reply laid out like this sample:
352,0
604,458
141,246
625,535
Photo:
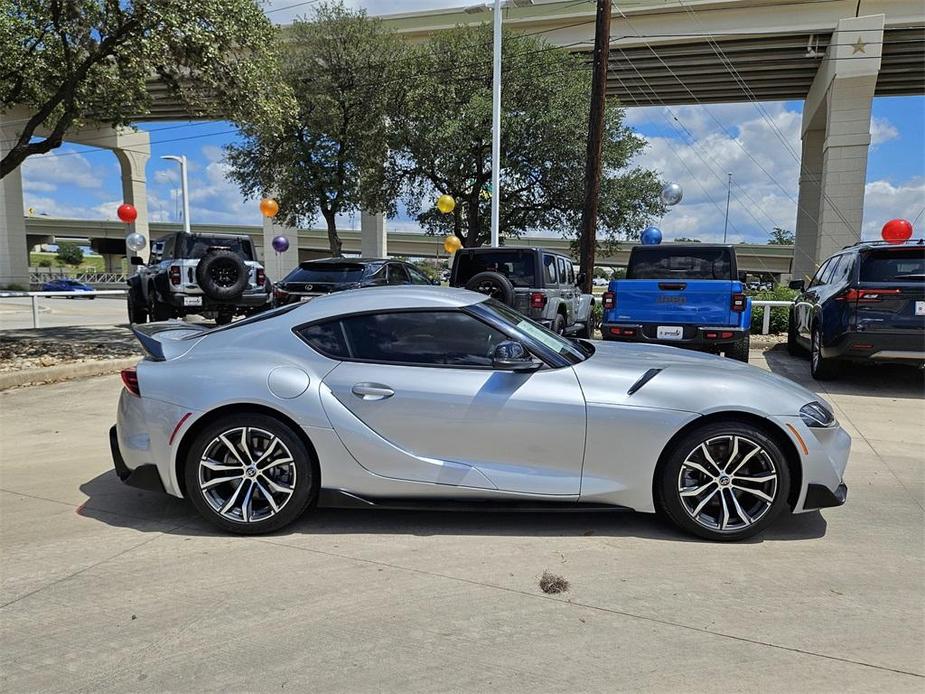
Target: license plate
920,308
192,301
669,332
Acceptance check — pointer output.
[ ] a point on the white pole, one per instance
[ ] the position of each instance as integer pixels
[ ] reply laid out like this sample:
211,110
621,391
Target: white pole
184,187
35,311
496,131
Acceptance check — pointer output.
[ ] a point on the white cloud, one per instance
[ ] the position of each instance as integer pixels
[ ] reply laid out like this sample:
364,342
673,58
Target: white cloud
884,201
45,172
881,130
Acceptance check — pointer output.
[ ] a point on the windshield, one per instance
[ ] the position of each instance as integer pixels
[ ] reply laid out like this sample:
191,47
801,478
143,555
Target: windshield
894,265
667,263
517,266
197,246
334,273
573,352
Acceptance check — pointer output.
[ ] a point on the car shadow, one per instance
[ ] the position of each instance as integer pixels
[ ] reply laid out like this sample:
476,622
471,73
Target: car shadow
111,502
882,380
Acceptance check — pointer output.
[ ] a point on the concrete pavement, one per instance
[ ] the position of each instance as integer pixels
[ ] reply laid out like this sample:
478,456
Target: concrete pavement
108,588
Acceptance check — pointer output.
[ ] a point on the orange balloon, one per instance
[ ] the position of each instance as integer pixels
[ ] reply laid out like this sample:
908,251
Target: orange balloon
451,243
269,207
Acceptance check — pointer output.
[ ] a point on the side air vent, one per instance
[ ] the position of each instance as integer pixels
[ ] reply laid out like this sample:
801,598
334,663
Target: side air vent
645,378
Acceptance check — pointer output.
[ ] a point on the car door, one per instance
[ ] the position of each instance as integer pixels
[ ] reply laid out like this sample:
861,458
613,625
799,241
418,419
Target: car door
568,289
805,306
550,286
398,274
415,398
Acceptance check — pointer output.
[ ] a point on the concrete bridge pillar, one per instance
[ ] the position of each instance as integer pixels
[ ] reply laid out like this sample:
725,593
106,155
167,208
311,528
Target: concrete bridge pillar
14,256
836,140
373,237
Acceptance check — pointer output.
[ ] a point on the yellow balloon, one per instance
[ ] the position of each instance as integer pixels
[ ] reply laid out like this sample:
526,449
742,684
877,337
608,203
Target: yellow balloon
446,204
269,207
451,243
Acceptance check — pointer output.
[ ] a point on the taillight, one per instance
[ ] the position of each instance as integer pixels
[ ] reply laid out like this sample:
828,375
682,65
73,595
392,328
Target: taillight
609,300
537,300
280,294
130,381
261,276
867,296
738,303
174,274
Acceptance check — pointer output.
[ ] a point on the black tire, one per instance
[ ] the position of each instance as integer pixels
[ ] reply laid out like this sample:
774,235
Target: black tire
820,367
739,350
222,275
494,284
793,343
137,313
668,484
303,470
584,333
558,324
160,310
223,318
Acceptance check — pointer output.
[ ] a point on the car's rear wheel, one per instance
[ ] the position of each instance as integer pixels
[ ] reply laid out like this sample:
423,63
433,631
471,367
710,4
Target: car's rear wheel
249,474
136,313
724,481
821,368
558,325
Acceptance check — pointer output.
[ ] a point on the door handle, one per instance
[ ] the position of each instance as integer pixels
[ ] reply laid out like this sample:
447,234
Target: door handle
372,391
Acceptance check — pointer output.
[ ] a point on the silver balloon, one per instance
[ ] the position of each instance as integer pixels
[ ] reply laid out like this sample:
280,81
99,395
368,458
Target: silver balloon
672,194
136,241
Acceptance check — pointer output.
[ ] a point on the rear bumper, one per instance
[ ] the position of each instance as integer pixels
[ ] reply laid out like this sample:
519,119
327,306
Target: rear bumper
253,298
696,337
882,347
143,477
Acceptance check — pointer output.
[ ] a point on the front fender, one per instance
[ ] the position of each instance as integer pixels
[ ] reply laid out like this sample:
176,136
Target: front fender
585,306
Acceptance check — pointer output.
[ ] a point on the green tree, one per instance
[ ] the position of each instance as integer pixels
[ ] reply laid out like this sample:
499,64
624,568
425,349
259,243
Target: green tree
70,254
331,156
780,237
443,139
684,239
71,62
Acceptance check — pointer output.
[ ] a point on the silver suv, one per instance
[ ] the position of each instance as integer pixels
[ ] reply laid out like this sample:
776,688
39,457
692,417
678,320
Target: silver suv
212,275
541,284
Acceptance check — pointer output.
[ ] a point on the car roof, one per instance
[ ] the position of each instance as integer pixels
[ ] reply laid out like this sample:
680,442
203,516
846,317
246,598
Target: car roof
681,247
347,261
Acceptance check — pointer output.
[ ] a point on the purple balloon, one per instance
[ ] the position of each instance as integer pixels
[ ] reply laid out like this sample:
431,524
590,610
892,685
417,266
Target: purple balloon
280,244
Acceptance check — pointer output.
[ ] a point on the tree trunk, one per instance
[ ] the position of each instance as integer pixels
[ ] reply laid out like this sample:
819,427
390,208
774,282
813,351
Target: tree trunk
333,239
472,239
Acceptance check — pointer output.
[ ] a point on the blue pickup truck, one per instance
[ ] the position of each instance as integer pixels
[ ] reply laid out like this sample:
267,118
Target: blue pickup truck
683,295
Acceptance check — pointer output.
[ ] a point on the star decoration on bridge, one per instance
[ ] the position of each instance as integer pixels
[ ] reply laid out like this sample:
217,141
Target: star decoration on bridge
858,46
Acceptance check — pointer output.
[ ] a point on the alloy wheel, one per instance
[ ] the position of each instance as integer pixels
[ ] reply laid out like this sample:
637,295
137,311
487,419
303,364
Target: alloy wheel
247,474
728,483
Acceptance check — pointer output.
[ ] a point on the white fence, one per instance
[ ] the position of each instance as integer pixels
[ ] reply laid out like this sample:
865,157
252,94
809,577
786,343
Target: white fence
766,307
35,298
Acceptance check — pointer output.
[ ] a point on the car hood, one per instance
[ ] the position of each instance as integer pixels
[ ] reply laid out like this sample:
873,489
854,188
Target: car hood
685,380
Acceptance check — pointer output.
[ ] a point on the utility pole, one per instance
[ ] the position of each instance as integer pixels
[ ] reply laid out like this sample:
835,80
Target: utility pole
588,240
184,186
496,129
728,196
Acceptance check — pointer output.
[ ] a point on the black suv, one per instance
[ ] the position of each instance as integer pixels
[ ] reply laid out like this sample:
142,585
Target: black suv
316,277
866,302
541,284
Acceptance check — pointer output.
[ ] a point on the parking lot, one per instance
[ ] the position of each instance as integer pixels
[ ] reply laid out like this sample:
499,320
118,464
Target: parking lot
108,588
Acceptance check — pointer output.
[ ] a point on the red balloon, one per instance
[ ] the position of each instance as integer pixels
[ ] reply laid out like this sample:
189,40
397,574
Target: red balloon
127,213
897,231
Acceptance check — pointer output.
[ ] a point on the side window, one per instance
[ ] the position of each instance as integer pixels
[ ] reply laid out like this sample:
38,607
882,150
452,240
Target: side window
830,271
843,271
549,269
398,274
571,274
167,253
427,338
819,277
418,277
563,271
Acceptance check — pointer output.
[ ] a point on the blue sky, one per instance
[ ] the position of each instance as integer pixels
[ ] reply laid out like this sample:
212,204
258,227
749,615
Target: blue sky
692,145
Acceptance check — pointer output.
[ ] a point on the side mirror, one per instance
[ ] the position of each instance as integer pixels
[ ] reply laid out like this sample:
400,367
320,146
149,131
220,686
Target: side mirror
580,279
510,355
136,260
799,285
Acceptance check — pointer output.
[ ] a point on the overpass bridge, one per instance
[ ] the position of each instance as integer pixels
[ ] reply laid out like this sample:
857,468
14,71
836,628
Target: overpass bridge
836,55
107,238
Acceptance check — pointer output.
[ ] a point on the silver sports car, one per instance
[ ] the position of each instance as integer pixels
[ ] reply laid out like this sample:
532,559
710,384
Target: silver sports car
421,396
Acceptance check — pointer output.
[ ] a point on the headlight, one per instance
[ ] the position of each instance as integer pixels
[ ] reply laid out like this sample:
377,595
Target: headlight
815,414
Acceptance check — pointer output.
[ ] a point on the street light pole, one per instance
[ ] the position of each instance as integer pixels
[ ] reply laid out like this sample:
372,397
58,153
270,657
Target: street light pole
496,130
184,185
728,195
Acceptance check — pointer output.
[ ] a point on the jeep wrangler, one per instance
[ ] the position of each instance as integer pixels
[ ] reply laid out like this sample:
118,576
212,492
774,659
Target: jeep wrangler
539,283
212,275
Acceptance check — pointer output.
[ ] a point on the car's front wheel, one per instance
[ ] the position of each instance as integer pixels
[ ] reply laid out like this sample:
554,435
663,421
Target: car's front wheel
249,474
724,482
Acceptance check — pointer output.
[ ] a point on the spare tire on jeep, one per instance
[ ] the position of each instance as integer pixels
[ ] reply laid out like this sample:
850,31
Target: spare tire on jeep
494,284
222,275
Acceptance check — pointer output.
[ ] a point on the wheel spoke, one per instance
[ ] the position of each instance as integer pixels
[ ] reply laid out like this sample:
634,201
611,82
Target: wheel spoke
722,497
245,445
739,510
216,466
757,479
698,467
246,503
274,463
268,496
275,487
688,491
748,456
706,454
234,450
266,453
733,453
234,497
755,492
215,481
703,502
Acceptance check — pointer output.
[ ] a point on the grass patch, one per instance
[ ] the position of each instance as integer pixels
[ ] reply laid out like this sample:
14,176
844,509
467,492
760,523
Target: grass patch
551,583
90,263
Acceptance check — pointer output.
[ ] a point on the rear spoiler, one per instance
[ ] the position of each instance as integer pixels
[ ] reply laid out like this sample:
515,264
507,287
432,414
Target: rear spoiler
169,339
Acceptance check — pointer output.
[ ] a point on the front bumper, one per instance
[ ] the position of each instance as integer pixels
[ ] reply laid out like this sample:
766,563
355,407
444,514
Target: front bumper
693,336
823,456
